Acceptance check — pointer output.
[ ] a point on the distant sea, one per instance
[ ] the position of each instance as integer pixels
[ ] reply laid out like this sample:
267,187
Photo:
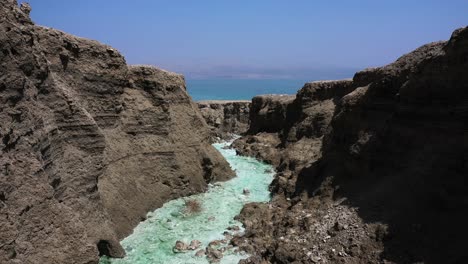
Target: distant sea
240,89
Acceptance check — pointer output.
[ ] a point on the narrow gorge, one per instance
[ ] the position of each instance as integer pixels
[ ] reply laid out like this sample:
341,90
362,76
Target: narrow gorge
105,162
201,228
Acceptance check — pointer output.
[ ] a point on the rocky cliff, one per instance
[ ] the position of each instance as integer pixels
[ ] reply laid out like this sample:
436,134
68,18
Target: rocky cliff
88,144
226,118
370,170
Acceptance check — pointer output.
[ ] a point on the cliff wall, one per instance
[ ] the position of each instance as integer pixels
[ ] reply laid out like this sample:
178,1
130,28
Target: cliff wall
88,144
370,170
226,118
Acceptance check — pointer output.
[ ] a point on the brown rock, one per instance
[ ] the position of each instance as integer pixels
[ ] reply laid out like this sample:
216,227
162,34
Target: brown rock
194,244
400,129
268,112
200,253
234,228
88,144
226,117
180,247
214,243
214,254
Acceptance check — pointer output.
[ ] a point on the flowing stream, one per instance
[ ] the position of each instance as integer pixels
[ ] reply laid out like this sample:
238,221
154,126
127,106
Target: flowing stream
153,240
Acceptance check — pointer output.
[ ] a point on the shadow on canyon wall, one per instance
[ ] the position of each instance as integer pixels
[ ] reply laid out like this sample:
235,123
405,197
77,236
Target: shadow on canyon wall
397,150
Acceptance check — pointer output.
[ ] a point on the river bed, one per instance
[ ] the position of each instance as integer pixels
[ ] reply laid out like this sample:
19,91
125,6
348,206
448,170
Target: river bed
152,241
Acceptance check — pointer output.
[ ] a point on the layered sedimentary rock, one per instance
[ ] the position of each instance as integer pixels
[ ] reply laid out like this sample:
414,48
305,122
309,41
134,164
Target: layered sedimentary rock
226,118
88,144
372,169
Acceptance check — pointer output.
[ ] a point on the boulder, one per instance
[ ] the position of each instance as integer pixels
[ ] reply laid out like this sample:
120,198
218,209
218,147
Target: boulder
194,244
180,247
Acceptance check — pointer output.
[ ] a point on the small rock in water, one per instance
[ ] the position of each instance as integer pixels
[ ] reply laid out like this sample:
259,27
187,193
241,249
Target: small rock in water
234,228
214,255
200,253
194,244
179,247
246,191
214,243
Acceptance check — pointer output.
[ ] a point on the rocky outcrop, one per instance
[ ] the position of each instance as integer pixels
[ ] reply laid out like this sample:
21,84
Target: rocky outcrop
373,169
268,117
88,144
226,118
268,112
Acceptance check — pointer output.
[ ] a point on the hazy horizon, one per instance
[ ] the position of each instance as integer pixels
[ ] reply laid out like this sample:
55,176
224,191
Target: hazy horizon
257,39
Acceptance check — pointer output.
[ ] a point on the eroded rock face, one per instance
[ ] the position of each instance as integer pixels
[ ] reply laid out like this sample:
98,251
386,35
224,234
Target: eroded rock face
371,169
268,112
226,118
88,144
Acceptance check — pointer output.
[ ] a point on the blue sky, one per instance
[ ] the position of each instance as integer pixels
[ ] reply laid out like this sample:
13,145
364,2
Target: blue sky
247,38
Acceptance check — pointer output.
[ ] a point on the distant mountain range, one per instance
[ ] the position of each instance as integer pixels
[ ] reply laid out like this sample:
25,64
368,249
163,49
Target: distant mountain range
249,72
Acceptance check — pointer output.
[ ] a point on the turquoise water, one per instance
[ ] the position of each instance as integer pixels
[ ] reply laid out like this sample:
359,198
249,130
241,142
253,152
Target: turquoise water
240,89
152,240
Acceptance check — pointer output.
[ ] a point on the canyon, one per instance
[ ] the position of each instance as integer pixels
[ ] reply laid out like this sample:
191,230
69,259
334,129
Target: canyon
368,170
